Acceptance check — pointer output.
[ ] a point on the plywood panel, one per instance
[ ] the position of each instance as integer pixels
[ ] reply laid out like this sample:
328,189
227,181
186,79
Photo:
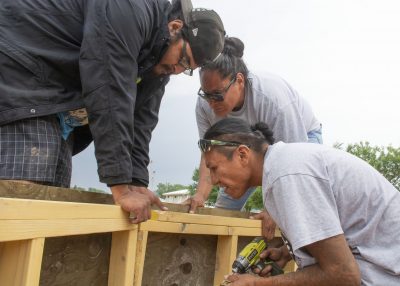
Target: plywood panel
179,260
76,260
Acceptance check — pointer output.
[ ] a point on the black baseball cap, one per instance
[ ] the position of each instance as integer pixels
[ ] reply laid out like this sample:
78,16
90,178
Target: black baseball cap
204,31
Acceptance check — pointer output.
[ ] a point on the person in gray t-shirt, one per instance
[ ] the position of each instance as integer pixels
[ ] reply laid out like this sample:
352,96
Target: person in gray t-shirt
228,89
338,216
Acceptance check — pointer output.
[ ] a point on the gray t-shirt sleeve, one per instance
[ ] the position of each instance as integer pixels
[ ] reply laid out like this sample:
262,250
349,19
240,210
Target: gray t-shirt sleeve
304,207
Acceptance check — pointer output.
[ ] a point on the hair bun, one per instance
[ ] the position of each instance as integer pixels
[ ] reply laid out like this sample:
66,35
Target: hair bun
233,46
265,131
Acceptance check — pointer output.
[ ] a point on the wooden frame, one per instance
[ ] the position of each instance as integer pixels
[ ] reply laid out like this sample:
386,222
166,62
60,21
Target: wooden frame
26,223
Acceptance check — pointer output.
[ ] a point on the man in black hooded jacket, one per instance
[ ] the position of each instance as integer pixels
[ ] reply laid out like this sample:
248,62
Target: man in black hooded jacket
74,71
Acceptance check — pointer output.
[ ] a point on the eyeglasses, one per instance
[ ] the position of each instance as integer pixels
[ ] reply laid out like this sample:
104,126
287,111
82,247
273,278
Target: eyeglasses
205,144
216,96
184,61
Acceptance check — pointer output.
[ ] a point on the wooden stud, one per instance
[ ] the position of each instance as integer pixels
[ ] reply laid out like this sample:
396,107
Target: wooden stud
122,258
140,256
20,262
226,254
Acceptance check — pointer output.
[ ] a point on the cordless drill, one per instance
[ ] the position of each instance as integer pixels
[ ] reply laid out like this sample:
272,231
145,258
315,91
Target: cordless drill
250,256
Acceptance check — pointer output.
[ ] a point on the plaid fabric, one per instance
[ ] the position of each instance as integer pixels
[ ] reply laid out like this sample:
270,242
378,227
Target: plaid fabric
33,150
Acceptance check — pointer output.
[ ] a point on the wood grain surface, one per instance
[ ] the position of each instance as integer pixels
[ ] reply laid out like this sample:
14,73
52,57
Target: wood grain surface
170,259
179,260
76,260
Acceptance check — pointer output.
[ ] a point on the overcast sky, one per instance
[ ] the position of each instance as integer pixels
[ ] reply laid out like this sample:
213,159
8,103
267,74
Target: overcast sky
343,56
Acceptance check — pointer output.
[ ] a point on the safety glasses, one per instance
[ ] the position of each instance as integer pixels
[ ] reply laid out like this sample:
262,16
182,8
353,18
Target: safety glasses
216,96
205,144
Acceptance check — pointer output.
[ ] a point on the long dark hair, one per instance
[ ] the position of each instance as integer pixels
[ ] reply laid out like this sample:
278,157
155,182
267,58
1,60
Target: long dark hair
238,130
230,61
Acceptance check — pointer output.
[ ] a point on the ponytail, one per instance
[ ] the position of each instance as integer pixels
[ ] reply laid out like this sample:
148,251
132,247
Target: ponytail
263,130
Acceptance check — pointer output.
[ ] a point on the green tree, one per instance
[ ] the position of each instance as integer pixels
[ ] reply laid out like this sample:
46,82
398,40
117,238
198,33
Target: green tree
385,160
255,201
212,198
93,190
195,178
75,187
167,187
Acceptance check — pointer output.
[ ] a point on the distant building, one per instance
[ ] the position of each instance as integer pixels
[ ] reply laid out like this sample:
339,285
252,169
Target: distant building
176,196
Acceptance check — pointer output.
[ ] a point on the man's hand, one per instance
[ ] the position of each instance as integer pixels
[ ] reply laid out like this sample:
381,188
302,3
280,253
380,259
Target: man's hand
195,201
137,200
242,279
268,224
280,256
154,200
203,188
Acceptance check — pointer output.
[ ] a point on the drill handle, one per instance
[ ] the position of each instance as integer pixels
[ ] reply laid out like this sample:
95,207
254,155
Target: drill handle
276,270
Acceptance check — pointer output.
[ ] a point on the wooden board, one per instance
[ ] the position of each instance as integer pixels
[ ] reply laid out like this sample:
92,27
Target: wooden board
226,254
123,258
11,189
206,211
20,262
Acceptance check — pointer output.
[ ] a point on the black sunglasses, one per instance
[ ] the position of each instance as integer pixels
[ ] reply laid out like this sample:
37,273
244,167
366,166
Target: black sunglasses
184,61
205,144
216,96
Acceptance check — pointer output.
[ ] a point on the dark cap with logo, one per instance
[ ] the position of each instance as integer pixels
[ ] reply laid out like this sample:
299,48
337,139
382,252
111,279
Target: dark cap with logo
204,31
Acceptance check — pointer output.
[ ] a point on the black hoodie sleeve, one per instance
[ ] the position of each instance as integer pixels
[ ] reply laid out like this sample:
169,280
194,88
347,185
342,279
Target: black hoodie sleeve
113,34
148,102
